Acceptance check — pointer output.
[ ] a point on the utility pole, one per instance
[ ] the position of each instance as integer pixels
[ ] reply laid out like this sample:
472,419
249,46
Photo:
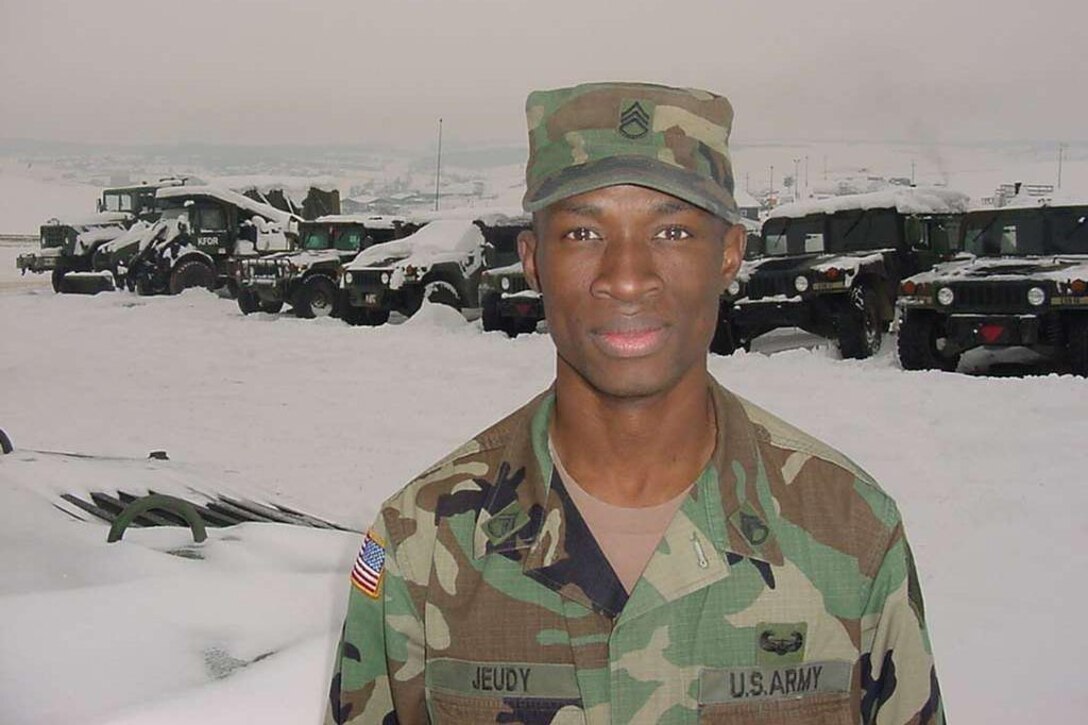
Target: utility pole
772,182
825,167
806,173
438,171
796,179
912,172
747,183
1061,152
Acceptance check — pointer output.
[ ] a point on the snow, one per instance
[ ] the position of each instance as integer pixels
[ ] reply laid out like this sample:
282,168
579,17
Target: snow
266,211
1029,201
1059,268
372,221
904,200
90,221
442,240
492,216
330,420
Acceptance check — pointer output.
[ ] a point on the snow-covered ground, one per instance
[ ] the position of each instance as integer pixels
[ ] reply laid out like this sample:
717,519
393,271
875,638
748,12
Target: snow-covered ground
330,420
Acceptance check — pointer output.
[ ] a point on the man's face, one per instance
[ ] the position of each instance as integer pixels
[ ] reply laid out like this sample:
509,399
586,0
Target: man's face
631,280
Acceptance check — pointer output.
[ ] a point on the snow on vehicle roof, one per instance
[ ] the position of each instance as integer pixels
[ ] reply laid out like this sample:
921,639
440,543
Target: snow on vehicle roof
438,237
1025,201
492,216
929,200
230,197
370,221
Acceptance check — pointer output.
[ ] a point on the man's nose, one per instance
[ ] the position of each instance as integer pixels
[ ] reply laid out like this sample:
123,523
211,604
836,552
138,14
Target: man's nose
627,270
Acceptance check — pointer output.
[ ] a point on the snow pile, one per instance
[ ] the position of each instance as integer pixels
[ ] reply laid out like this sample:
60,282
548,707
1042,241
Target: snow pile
265,211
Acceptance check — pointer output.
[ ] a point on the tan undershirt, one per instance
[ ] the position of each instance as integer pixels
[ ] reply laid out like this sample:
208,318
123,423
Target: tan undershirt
627,536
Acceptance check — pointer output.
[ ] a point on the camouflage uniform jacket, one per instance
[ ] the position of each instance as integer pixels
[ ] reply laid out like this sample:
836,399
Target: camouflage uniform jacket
783,591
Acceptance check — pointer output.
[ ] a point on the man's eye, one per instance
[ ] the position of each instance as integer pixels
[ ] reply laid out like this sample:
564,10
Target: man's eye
582,234
673,233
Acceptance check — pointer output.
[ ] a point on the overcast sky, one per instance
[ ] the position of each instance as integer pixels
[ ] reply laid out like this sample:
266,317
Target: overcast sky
360,71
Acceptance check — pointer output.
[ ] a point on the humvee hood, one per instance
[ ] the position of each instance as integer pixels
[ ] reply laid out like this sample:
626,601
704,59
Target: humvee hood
1050,268
439,241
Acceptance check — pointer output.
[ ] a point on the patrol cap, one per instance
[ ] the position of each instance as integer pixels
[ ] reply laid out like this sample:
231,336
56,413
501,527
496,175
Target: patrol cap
673,140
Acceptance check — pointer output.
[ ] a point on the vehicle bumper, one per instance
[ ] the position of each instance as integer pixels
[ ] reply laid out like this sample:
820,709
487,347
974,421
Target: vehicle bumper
376,298
968,331
518,307
36,263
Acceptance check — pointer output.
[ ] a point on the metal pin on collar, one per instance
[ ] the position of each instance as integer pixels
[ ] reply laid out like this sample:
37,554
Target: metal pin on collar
703,561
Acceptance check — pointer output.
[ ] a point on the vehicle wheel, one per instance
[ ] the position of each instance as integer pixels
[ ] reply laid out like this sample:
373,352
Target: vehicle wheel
724,341
921,337
191,273
5,443
57,278
316,298
441,292
271,306
248,301
365,316
1077,345
860,327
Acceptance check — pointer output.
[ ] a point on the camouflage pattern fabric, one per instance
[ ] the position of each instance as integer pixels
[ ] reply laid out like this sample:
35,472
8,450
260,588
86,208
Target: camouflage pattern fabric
674,140
783,591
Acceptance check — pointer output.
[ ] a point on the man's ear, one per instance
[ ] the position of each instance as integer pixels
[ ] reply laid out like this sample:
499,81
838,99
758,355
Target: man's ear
527,251
736,239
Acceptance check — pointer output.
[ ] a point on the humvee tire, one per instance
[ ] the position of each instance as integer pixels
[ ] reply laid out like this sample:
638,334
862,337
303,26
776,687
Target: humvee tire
191,273
316,298
1077,345
57,279
248,301
489,313
5,443
860,329
917,343
271,306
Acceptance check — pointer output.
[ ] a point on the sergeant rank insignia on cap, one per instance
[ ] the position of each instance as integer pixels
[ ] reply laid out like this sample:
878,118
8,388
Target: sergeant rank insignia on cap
366,576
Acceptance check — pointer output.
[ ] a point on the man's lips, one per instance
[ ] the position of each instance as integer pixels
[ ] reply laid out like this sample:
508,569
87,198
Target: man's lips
631,339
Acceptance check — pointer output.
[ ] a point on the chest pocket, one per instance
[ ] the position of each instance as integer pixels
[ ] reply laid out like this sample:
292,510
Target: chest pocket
459,692
809,693
832,709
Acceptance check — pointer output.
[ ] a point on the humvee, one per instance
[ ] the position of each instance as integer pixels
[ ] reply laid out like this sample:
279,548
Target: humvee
69,246
443,263
832,267
207,231
309,279
1021,280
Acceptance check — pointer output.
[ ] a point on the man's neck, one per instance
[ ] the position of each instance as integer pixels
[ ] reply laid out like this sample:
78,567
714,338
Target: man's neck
634,451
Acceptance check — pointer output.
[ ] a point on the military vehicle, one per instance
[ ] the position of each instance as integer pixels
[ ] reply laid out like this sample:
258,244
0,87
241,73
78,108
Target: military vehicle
1021,280
724,342
832,267
69,246
309,279
507,302
206,232
443,263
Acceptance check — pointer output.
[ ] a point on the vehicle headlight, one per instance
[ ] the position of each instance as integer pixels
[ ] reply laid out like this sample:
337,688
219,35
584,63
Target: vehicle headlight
946,296
800,283
505,284
734,288
347,277
1036,296
385,278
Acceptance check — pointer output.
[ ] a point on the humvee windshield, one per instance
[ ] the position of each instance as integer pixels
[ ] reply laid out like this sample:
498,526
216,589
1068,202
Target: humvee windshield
1021,232
785,236
864,229
118,201
350,239
315,238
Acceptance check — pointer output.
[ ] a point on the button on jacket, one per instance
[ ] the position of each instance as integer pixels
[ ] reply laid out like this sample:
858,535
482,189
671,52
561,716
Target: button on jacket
783,591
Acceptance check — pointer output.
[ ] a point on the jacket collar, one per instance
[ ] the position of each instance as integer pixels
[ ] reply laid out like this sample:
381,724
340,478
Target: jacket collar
529,518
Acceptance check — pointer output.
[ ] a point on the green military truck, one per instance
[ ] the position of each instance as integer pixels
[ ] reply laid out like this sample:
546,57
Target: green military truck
69,246
204,234
832,267
309,279
443,262
1021,280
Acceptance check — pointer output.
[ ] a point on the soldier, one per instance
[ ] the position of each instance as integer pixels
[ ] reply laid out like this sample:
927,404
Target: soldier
637,544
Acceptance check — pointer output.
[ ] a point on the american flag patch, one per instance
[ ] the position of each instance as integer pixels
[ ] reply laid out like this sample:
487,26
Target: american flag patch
369,566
